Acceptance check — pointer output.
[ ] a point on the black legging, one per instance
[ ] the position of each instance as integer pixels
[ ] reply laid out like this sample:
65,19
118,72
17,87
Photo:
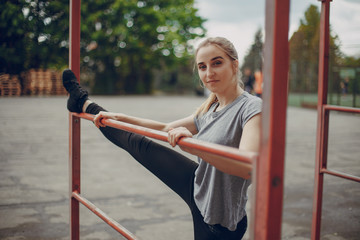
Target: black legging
173,169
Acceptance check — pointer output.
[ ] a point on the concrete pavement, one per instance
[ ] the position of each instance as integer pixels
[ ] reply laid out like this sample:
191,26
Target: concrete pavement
34,176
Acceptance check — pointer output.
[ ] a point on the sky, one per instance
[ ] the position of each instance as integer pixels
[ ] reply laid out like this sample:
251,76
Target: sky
238,20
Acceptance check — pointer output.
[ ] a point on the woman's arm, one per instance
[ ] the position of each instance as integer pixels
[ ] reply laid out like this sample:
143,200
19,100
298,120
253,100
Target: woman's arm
249,145
187,122
250,138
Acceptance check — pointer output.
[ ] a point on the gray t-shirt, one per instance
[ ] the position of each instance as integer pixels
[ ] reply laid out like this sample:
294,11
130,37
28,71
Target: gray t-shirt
221,197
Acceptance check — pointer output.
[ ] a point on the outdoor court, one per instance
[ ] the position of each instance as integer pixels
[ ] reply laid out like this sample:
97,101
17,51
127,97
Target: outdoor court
34,178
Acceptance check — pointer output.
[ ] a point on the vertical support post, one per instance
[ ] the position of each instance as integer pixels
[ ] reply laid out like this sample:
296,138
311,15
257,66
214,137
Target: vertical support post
269,170
323,118
74,122
74,165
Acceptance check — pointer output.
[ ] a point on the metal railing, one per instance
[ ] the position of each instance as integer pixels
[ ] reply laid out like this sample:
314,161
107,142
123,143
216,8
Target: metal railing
267,172
242,160
323,122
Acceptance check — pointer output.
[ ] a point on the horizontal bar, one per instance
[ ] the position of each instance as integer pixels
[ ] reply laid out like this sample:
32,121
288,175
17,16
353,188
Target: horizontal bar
213,148
341,109
340,174
115,225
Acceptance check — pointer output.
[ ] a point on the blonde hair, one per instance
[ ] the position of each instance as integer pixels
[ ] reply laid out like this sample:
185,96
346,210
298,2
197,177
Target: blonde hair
226,46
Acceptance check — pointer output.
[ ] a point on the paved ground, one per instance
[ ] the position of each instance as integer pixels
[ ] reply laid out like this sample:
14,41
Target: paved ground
34,174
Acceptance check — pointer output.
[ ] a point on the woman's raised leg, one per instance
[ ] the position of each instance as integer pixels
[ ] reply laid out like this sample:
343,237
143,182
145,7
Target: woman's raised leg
171,167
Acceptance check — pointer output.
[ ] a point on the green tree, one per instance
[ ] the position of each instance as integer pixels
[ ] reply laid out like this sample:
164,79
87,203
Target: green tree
124,41
304,52
33,35
48,23
254,57
12,37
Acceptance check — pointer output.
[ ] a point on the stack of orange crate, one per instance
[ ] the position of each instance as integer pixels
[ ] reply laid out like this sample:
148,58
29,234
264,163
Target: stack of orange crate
9,85
38,82
46,83
57,86
31,82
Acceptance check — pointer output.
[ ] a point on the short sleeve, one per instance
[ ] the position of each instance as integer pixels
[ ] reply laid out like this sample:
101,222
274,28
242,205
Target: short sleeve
252,107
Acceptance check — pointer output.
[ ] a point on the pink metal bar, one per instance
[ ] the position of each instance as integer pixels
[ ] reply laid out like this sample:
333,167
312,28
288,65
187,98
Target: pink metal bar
74,169
341,109
111,222
269,180
270,167
242,160
74,125
230,152
74,35
327,108
233,154
340,174
323,118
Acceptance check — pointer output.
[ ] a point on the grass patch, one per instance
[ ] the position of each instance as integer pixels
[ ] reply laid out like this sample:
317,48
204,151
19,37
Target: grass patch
310,99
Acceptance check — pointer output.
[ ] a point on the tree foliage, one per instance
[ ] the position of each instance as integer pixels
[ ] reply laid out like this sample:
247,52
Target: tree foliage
254,57
12,34
31,35
122,41
132,38
304,52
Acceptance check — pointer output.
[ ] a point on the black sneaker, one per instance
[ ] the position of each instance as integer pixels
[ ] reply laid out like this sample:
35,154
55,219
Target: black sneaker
78,95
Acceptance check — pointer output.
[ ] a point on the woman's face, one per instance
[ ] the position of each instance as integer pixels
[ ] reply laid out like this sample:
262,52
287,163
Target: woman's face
216,70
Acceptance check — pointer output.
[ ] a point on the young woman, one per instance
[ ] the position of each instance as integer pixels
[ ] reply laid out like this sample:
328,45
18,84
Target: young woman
214,192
